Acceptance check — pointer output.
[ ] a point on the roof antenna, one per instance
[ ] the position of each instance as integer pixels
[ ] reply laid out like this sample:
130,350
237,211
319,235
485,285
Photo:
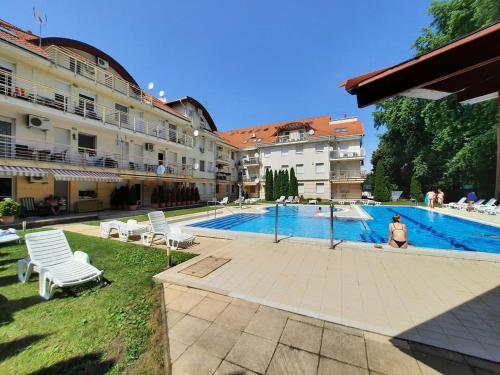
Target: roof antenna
41,20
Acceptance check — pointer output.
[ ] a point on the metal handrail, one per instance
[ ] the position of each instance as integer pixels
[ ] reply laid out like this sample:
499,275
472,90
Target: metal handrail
16,86
15,148
292,138
250,160
347,175
339,154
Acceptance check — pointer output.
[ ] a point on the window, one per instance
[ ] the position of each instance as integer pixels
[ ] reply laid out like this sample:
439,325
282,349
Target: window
320,188
299,168
87,190
319,147
210,167
203,188
341,130
172,132
299,149
320,167
284,166
267,153
202,165
5,188
232,155
86,142
227,188
86,105
301,189
284,151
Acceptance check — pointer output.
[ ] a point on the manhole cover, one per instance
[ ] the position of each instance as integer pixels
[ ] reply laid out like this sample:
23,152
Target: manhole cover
204,266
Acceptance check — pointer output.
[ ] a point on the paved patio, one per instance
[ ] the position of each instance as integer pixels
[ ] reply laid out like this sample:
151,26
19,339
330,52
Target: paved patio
209,333
447,302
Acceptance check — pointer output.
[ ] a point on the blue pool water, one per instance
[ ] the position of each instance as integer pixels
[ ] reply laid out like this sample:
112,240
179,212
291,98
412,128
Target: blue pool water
425,228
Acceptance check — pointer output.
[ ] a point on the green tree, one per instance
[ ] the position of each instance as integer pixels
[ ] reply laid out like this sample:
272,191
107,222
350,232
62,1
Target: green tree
269,185
416,189
294,184
381,190
276,186
441,142
286,183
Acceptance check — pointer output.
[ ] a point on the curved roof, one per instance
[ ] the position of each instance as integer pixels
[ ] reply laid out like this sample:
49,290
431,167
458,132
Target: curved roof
76,44
197,104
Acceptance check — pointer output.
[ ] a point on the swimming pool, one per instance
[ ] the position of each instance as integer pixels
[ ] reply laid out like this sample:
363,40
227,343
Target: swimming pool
425,228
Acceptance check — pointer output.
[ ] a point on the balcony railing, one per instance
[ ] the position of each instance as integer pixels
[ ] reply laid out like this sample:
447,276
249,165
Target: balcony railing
24,89
339,154
222,157
34,151
91,71
250,179
250,161
292,138
347,175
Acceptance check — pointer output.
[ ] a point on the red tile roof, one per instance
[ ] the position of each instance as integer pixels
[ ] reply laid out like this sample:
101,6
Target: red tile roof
322,125
23,38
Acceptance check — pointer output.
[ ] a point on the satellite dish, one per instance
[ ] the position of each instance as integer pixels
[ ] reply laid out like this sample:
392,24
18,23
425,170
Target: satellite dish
151,85
256,155
196,133
161,93
196,166
311,131
163,100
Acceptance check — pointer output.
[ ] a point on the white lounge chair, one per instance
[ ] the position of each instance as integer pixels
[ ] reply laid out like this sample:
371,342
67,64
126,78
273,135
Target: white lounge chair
280,199
224,201
492,210
480,207
453,204
50,255
8,235
289,199
173,236
474,205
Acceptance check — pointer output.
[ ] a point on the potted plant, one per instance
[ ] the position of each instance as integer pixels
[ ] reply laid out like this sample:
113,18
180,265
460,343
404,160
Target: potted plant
9,209
132,199
196,195
155,198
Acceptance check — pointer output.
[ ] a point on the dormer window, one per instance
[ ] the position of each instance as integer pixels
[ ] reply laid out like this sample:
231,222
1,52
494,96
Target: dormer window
341,130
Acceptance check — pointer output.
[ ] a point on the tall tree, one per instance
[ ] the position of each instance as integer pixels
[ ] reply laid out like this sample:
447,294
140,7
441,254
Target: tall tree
441,142
269,185
294,184
286,183
416,189
381,191
276,186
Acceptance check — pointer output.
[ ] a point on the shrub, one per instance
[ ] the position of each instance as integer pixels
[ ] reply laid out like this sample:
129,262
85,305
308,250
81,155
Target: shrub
416,189
276,186
294,184
269,185
196,195
132,196
9,207
381,190
246,195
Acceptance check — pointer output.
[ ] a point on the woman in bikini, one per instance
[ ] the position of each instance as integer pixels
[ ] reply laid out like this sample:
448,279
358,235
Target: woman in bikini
397,233
440,198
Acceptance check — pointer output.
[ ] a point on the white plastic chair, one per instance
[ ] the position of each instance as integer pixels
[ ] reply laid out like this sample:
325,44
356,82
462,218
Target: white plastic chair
454,204
51,256
280,199
173,236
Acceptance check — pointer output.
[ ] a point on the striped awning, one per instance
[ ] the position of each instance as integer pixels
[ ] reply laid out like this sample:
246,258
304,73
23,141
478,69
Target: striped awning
11,171
72,175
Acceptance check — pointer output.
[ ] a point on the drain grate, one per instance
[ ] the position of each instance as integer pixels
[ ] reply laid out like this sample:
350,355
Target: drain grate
205,266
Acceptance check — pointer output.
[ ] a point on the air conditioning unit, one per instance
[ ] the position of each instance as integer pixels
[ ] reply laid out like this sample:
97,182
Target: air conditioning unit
38,122
149,147
102,63
39,179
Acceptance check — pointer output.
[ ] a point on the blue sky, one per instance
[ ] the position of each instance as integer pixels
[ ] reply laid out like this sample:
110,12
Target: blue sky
249,62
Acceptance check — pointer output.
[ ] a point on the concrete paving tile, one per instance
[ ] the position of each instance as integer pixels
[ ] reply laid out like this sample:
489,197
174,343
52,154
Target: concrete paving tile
171,294
329,366
195,361
181,288
291,361
173,317
219,297
388,359
188,329
228,368
302,336
431,365
306,319
344,347
185,302
252,352
198,291
218,340
208,309
437,352
244,303
176,348
267,324
236,317
345,329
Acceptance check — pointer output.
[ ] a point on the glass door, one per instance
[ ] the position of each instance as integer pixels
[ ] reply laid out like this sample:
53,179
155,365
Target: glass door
5,139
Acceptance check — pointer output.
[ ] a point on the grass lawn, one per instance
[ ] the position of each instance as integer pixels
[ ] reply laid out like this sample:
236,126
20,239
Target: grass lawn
95,329
173,213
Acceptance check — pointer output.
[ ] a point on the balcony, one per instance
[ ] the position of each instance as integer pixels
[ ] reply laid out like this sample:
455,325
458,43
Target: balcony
250,180
342,155
55,155
222,158
221,176
300,137
248,162
87,69
18,87
347,175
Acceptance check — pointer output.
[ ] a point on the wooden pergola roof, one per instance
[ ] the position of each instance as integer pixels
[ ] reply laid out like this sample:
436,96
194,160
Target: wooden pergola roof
468,67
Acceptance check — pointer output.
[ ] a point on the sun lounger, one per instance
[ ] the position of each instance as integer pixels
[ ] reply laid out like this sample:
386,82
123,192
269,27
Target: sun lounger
8,235
289,199
312,201
51,256
480,207
280,199
296,200
453,204
159,227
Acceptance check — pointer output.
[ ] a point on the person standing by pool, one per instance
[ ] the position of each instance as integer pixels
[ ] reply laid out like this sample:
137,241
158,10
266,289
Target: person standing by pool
440,198
471,198
397,233
431,195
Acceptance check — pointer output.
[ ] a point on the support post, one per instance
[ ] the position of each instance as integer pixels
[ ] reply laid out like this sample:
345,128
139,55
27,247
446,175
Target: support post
331,226
497,181
215,217
276,224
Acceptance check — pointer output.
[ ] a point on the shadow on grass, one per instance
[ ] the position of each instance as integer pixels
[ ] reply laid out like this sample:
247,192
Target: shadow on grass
7,261
91,363
11,348
8,280
9,307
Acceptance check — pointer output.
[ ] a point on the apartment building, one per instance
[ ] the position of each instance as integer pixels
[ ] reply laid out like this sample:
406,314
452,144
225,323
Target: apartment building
326,155
75,124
